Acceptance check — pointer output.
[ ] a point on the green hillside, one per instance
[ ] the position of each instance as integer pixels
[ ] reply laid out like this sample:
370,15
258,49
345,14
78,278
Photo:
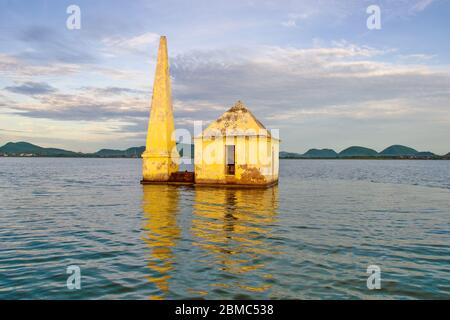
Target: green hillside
290,155
110,153
356,151
134,152
31,150
425,154
18,148
320,153
25,149
398,151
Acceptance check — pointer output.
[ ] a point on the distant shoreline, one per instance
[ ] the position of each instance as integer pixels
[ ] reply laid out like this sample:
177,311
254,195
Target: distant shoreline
368,158
395,152
346,158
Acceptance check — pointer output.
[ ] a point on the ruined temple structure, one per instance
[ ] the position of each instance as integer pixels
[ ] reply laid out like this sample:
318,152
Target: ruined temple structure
235,150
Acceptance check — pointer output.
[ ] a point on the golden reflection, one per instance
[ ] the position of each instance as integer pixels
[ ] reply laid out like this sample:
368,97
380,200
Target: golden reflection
160,206
233,225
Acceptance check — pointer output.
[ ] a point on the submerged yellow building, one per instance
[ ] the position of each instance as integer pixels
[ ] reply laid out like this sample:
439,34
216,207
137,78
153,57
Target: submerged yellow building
234,150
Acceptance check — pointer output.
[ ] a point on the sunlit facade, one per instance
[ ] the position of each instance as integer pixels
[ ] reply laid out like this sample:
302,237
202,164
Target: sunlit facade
236,149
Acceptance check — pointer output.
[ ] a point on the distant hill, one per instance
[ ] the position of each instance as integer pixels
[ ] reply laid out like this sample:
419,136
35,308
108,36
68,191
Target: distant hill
290,155
134,152
320,153
425,154
398,150
25,148
356,151
109,153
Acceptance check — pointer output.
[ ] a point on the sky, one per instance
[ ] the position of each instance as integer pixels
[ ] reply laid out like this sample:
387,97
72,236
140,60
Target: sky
312,69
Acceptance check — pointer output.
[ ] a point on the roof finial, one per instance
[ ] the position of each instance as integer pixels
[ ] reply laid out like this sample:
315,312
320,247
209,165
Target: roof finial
238,105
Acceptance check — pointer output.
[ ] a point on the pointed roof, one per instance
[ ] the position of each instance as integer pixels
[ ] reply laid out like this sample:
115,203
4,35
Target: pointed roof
237,121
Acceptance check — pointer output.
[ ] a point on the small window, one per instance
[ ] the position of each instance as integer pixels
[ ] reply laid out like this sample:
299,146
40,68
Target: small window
230,159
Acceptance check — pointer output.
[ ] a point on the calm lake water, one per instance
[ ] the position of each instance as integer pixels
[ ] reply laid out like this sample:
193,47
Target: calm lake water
311,237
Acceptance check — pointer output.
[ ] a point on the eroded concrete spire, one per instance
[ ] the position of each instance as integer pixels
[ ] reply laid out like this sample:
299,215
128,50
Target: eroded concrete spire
161,157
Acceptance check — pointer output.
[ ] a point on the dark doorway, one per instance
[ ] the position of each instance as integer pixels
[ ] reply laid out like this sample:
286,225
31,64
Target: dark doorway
230,157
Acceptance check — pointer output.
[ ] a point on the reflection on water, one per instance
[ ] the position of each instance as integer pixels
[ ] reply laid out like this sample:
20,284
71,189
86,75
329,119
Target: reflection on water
160,206
231,226
312,237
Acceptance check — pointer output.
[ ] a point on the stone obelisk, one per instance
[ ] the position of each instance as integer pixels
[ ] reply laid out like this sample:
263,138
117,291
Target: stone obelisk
161,157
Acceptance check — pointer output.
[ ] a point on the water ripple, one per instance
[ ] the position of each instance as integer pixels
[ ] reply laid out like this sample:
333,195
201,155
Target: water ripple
313,236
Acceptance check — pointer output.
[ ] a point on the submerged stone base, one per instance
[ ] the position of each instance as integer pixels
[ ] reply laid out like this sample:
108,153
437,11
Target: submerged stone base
158,168
188,178
237,185
178,177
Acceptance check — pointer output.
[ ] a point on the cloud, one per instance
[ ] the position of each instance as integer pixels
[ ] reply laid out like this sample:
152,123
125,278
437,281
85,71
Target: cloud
420,5
335,12
103,72
344,80
19,69
283,85
45,44
16,68
416,58
31,88
113,91
389,109
135,44
293,18
83,106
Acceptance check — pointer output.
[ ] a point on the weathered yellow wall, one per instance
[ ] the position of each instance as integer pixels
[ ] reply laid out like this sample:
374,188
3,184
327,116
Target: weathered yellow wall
161,157
158,168
254,162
